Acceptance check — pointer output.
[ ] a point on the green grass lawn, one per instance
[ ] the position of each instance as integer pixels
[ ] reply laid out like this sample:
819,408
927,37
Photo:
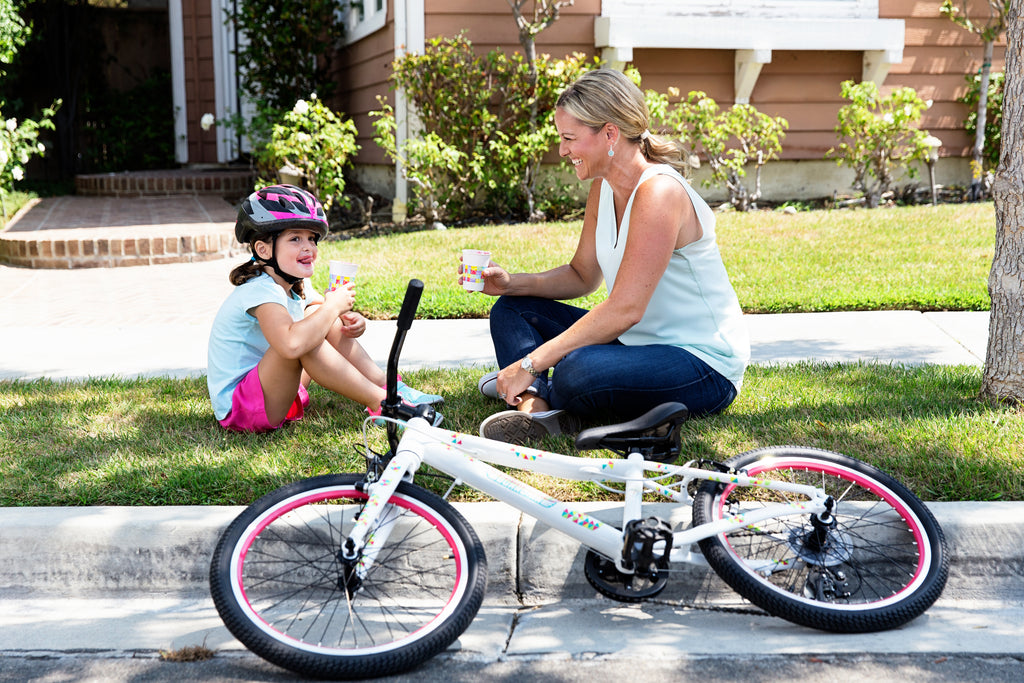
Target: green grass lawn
918,257
154,441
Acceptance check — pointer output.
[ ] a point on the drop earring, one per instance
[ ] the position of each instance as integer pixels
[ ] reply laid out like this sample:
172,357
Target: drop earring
611,152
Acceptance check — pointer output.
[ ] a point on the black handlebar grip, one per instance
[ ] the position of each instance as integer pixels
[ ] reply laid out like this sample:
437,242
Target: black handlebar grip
409,305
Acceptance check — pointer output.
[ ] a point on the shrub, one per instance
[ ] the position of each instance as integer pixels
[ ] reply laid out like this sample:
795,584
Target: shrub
993,117
729,140
314,140
878,138
478,152
284,52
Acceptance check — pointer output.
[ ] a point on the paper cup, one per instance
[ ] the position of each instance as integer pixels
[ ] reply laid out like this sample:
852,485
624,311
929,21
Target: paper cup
473,263
340,273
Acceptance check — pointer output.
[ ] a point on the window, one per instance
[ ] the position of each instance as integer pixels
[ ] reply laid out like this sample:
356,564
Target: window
363,17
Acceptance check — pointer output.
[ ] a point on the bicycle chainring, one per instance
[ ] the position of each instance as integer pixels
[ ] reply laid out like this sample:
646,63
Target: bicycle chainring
605,577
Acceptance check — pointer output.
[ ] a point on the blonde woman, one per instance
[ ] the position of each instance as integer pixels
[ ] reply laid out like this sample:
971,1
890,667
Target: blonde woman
671,328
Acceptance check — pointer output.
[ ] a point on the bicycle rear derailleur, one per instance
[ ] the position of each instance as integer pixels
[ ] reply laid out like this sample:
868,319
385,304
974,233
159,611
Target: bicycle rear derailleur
645,550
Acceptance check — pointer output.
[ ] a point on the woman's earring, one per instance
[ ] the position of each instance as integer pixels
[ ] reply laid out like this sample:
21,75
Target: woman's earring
611,152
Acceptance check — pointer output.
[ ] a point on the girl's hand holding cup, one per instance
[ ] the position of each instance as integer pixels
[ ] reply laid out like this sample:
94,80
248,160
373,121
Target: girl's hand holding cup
344,297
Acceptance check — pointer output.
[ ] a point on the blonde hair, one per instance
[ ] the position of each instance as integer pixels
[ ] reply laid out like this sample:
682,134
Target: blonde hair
608,96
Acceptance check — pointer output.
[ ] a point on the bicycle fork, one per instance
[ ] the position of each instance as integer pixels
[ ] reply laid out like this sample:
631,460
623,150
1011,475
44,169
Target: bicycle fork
376,520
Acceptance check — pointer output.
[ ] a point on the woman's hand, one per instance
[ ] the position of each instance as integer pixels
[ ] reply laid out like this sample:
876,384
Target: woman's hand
513,381
496,278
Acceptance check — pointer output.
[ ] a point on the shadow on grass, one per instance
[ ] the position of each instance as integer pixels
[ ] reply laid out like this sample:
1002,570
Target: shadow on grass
154,441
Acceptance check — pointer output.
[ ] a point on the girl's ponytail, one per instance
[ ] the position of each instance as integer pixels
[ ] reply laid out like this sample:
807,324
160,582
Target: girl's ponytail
254,268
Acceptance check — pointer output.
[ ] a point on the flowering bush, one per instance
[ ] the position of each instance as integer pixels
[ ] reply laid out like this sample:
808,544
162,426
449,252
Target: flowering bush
317,143
878,137
19,142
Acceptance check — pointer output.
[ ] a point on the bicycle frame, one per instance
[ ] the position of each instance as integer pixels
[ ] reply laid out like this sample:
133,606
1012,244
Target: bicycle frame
469,460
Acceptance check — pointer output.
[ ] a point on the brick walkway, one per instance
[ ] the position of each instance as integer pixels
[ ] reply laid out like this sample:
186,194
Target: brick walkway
139,218
89,232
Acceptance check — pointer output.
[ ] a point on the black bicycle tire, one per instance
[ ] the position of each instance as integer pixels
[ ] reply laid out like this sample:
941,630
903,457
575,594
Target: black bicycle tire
428,514
858,547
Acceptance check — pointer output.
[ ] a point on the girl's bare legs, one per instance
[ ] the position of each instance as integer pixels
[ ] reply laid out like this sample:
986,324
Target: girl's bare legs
340,364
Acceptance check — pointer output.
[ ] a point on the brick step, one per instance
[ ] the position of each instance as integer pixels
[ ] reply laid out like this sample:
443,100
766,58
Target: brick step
228,182
106,232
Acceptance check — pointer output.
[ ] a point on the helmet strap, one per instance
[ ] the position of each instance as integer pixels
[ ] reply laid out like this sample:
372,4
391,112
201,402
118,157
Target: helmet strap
272,262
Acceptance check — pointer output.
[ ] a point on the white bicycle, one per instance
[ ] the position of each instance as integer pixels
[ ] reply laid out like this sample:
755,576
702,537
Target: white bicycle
359,575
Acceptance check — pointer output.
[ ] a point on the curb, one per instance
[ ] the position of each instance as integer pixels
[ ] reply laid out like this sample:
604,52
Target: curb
105,551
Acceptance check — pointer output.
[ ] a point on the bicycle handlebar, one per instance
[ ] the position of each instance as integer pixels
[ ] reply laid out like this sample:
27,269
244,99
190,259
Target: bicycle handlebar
406,315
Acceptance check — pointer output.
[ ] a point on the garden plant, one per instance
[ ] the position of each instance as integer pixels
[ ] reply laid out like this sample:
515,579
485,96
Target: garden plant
877,137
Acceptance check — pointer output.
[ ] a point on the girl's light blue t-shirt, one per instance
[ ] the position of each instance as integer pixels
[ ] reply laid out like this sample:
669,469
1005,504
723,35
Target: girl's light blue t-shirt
236,342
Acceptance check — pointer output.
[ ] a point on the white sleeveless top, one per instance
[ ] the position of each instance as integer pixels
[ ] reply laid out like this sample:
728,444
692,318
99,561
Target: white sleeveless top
694,305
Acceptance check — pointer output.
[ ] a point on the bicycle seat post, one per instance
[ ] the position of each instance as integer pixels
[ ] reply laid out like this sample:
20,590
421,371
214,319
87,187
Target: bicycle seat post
633,505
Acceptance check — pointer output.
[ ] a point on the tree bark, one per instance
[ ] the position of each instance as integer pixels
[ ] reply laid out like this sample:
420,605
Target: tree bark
1004,361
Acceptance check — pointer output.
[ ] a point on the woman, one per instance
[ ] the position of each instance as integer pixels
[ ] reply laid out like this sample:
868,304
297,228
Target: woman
671,328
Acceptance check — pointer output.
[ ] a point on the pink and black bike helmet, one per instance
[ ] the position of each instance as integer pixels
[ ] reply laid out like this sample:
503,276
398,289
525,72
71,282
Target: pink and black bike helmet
276,208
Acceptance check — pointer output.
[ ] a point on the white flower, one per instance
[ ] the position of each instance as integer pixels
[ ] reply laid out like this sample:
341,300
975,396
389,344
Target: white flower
3,157
23,156
303,137
206,123
928,104
12,125
312,95
41,147
301,107
888,117
18,172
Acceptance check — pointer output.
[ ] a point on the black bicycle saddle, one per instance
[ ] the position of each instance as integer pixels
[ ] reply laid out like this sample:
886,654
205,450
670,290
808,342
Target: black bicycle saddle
655,434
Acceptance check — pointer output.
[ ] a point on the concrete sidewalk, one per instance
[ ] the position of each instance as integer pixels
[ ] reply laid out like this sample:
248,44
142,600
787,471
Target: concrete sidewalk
134,580
155,320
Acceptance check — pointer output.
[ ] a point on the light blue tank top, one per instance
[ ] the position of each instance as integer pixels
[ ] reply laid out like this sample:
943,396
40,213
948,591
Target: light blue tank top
694,305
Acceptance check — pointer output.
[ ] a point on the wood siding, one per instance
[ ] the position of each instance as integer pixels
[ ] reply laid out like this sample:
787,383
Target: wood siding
802,86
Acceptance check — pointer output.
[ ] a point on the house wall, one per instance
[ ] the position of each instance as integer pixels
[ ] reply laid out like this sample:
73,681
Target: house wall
802,86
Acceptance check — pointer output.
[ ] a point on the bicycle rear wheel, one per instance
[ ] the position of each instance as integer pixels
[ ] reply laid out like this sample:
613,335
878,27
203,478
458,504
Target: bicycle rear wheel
282,589
879,565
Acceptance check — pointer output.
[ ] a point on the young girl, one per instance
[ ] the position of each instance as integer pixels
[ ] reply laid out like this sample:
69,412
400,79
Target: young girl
269,340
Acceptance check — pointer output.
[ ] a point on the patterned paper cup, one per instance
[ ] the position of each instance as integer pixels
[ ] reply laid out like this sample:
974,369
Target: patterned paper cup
340,273
473,263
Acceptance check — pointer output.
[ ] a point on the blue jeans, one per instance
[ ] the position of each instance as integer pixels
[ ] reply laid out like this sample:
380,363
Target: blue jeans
604,381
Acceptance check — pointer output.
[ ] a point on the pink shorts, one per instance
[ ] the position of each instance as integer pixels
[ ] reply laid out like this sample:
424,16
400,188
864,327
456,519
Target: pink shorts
248,412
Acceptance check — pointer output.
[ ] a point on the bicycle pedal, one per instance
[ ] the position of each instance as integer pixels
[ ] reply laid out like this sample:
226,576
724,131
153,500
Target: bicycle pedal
646,546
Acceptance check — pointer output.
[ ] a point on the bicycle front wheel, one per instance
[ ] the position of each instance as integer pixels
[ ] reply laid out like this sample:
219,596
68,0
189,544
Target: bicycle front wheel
878,564
282,588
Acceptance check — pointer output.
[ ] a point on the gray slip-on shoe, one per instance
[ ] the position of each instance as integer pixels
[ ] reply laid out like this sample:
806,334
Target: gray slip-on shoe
515,426
488,385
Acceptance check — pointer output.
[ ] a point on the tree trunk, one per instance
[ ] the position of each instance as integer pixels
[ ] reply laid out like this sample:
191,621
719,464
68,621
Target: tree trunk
1004,361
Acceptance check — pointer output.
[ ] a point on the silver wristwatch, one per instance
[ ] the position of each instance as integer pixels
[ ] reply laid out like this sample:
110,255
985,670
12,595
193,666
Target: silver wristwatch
527,364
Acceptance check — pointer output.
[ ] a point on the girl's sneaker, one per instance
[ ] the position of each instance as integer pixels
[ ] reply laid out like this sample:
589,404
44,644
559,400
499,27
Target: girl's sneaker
416,397
378,421
515,426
